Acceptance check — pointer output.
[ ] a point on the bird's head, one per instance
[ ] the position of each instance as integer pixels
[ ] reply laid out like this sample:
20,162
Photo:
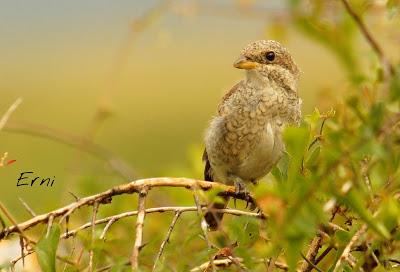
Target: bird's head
269,60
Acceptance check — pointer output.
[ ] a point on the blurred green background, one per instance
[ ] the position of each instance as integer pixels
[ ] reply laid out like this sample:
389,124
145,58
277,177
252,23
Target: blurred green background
139,81
141,78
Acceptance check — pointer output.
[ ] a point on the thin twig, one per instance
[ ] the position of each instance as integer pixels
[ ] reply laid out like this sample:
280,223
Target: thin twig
310,263
139,229
203,226
311,254
103,234
15,225
95,209
112,219
386,65
227,262
323,255
79,257
71,254
3,223
319,136
166,240
22,246
346,252
29,209
8,113
241,267
17,259
49,225
270,263
122,58
316,243
109,267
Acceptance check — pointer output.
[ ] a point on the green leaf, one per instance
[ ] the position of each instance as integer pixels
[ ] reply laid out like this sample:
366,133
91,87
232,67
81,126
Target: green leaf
296,140
280,171
312,119
313,156
46,249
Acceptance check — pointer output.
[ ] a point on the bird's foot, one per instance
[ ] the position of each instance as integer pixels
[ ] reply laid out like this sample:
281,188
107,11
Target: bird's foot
242,193
240,189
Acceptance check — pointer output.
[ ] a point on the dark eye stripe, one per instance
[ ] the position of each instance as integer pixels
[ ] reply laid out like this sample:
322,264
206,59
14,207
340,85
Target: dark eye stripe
270,56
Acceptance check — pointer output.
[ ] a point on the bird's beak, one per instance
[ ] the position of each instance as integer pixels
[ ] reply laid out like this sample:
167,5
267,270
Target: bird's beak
243,63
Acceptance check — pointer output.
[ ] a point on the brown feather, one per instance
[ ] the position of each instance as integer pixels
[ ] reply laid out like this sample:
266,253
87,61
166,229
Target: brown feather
226,96
212,216
207,168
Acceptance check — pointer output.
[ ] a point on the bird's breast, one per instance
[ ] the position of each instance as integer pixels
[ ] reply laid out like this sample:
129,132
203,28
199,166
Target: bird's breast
264,154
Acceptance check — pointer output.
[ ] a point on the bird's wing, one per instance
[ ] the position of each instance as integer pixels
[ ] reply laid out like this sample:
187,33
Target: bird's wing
208,172
207,168
227,95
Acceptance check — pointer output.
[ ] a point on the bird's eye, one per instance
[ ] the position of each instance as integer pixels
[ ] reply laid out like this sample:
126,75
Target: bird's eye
270,55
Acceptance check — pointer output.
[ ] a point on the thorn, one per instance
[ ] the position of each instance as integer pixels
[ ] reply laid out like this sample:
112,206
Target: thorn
143,245
74,196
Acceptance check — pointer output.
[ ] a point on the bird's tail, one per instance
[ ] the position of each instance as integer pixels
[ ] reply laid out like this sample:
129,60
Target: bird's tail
212,217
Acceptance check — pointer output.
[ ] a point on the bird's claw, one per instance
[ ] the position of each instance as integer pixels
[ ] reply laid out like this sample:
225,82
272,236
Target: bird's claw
240,188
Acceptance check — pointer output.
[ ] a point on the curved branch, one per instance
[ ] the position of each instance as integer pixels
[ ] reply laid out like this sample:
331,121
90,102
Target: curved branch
128,188
117,164
177,209
386,65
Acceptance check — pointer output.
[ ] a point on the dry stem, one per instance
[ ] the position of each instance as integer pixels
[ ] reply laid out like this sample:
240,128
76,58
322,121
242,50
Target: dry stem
27,208
139,229
386,65
117,164
112,219
8,113
346,251
95,209
166,240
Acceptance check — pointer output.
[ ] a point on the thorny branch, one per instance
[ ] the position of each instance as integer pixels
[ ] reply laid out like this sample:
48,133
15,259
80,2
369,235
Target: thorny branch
128,188
27,245
112,219
139,186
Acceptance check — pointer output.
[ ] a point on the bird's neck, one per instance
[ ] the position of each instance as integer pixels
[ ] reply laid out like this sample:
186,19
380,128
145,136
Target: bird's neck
257,80
276,79
280,87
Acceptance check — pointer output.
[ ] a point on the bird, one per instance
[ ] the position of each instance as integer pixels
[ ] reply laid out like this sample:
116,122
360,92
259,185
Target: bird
243,141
